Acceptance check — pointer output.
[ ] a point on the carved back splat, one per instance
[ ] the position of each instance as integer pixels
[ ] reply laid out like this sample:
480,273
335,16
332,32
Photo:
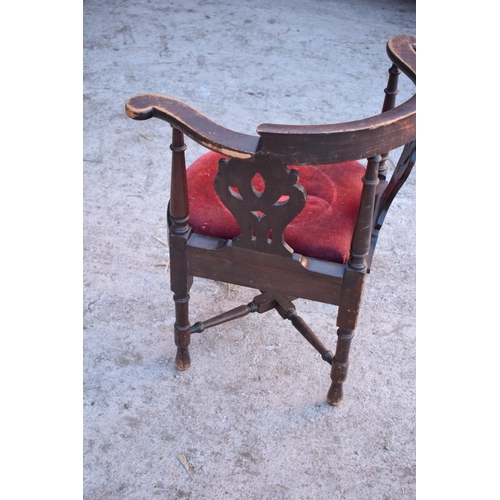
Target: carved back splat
399,176
262,215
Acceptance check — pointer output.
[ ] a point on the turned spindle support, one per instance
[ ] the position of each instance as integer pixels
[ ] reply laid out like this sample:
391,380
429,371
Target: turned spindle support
354,277
236,313
286,310
391,92
180,281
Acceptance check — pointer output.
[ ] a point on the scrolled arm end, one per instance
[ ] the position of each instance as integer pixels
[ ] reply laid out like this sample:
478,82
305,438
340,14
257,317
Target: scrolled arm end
192,123
140,107
402,51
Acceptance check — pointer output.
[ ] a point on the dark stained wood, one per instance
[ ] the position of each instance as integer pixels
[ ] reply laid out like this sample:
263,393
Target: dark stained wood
391,188
286,310
401,172
262,218
340,366
259,258
297,145
236,313
319,281
180,280
192,123
362,232
391,92
402,51
316,144
179,204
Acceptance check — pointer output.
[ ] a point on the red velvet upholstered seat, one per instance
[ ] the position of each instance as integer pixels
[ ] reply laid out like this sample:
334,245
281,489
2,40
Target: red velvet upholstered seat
323,229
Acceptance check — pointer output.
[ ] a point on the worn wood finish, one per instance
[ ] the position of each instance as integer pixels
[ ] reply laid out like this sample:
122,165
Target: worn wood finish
192,123
261,216
259,258
180,281
296,145
320,281
391,92
286,310
340,366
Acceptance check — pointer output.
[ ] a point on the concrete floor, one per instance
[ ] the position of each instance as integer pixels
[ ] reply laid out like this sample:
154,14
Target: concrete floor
249,415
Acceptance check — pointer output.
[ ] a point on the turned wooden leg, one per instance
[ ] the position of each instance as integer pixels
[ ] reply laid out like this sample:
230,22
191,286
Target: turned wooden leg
354,277
339,366
178,217
182,332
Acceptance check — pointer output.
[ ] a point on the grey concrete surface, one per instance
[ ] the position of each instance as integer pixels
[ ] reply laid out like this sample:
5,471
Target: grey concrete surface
250,415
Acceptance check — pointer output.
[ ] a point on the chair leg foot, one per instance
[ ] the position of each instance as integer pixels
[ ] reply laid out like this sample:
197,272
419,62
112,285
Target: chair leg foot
182,359
335,394
182,332
340,365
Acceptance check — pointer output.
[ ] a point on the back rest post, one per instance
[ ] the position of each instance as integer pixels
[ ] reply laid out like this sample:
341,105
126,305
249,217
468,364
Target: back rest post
179,204
391,92
360,245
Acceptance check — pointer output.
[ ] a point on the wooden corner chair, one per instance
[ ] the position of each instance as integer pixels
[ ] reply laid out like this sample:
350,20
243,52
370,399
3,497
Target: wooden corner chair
290,212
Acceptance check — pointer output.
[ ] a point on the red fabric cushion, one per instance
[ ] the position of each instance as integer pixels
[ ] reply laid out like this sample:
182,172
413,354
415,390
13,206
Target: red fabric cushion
322,230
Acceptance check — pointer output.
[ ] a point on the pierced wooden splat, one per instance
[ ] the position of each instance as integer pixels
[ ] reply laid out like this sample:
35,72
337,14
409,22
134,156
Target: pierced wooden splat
398,178
264,196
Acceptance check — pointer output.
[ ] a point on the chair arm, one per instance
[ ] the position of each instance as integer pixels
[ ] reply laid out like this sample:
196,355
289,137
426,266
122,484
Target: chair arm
336,143
193,124
302,144
402,51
